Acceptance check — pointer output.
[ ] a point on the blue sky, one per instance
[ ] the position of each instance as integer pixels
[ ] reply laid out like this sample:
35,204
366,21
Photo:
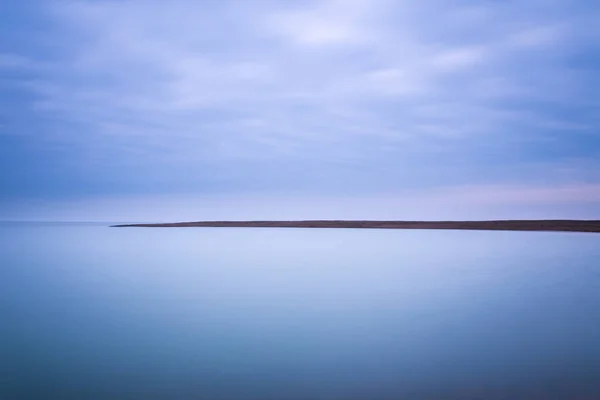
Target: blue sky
149,110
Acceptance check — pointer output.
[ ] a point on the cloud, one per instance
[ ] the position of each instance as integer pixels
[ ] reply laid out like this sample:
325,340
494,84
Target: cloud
337,86
461,58
327,23
13,61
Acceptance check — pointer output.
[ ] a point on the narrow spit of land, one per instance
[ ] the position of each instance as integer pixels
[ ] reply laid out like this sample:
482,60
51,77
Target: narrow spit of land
498,225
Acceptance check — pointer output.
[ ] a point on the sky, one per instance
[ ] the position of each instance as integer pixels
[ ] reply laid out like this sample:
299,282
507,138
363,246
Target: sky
149,110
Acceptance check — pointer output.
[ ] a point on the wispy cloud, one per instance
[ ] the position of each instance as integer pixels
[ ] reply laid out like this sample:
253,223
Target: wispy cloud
379,86
13,61
328,23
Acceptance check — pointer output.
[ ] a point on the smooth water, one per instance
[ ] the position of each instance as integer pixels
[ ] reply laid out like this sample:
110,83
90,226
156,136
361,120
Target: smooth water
90,312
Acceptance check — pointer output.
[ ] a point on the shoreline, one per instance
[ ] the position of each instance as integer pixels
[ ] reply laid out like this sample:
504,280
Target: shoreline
492,225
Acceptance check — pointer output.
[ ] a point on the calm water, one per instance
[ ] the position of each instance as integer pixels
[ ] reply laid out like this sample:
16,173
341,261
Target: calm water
90,312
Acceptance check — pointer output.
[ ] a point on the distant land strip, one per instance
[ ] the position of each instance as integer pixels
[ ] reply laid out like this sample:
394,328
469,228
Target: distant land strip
496,225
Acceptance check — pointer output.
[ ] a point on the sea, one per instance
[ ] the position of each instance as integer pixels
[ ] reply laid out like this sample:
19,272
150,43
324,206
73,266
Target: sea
92,312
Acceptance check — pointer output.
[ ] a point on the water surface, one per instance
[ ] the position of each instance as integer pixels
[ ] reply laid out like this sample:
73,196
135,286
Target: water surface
91,312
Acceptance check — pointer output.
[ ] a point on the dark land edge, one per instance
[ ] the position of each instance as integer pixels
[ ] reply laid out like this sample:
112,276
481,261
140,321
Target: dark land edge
494,225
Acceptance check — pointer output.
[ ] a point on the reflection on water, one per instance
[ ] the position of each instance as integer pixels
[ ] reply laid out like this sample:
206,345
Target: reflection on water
105,313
